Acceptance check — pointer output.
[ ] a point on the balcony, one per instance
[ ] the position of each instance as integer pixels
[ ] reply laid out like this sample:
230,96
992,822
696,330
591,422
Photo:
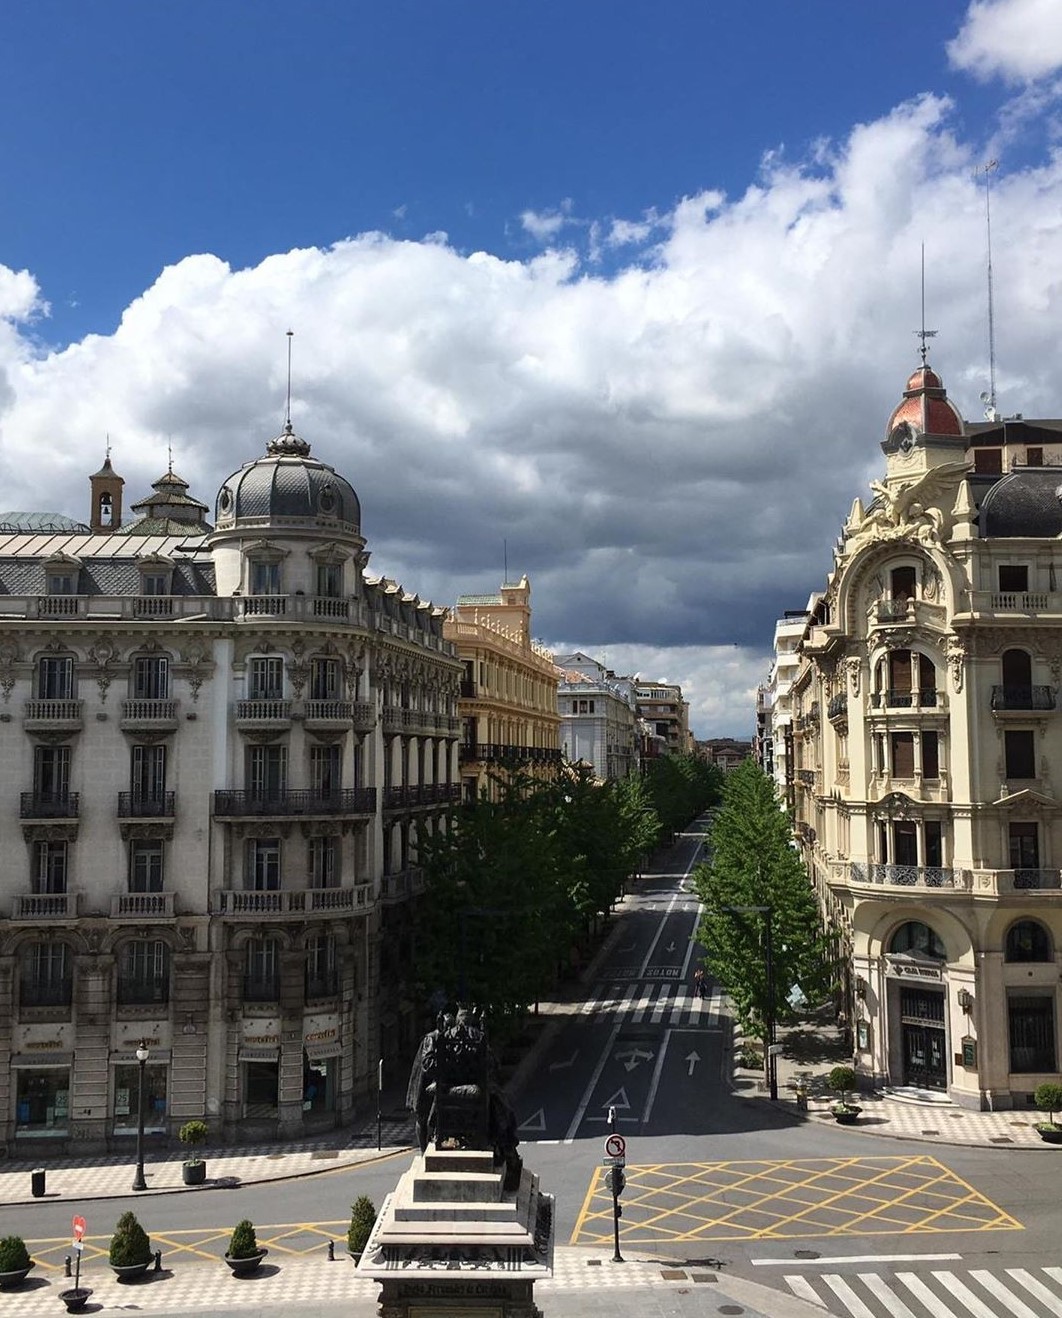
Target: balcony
141,715
893,699
46,906
328,715
907,876
1024,880
488,751
422,794
363,716
1022,697
401,886
52,715
153,606
1015,601
303,803
49,805
898,610
146,805
61,606
263,606
245,903
254,714
142,906
837,709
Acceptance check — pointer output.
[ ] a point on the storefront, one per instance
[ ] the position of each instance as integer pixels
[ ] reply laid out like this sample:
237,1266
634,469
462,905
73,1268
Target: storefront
126,1091
42,1097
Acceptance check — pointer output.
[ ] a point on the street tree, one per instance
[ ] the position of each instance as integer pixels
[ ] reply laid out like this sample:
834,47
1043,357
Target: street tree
753,864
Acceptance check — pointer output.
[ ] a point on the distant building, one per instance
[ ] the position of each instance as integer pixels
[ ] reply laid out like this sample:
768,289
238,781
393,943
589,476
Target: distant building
662,707
508,704
788,633
724,752
598,723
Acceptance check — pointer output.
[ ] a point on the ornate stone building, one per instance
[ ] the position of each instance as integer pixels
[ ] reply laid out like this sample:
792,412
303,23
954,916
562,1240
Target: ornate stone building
508,700
598,724
218,746
927,740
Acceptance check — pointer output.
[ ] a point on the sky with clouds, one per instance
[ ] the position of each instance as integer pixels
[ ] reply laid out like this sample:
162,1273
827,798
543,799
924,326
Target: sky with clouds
621,294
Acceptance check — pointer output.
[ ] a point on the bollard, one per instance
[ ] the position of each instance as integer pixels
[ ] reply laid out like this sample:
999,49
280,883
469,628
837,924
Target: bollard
66,1266
331,1251
37,1180
158,1260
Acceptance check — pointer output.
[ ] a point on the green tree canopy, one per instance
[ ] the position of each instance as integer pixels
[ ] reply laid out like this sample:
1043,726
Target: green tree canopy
752,863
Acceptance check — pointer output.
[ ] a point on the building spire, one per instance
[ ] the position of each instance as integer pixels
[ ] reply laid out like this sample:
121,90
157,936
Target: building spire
923,333
287,407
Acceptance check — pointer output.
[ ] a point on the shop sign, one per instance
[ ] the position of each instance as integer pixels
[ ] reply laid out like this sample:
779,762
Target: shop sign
261,1039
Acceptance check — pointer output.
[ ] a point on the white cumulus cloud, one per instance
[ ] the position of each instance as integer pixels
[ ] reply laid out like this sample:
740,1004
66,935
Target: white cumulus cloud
1020,40
667,448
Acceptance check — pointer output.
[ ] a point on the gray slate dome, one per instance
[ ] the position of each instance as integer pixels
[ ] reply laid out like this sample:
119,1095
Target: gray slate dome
287,486
1024,503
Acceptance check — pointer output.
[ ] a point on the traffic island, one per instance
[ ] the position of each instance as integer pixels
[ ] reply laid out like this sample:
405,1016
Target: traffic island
467,1229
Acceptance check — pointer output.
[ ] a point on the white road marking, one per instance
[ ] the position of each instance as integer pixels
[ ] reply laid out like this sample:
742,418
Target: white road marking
803,1290
1006,1297
854,1258
1037,1289
654,1084
847,1295
588,1093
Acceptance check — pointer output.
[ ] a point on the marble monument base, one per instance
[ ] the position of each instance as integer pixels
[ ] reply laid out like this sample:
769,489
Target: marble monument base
450,1242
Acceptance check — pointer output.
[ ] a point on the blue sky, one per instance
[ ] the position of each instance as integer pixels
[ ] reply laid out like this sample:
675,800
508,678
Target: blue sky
631,287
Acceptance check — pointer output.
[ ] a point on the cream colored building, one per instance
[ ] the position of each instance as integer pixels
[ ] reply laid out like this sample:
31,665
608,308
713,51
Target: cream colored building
927,745
598,724
217,748
508,704
661,706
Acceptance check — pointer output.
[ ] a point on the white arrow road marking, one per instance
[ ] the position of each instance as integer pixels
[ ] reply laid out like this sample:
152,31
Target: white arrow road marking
632,1056
672,945
588,1092
563,1066
536,1121
631,947
693,1058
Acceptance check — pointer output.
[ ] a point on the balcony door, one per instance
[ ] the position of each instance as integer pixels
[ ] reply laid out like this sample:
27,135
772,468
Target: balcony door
148,776
267,772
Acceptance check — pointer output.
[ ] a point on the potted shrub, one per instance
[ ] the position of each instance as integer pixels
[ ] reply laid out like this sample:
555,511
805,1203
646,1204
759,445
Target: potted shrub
130,1253
15,1262
1048,1098
842,1080
244,1254
76,1298
193,1134
362,1221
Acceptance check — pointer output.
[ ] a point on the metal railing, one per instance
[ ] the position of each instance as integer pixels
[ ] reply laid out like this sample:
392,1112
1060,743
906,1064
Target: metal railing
49,805
1023,697
259,989
146,805
46,992
498,751
906,876
395,798
142,991
1037,878
343,801
838,706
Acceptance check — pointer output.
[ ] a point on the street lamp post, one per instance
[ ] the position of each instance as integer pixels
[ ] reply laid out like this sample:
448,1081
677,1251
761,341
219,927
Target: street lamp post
768,957
142,1055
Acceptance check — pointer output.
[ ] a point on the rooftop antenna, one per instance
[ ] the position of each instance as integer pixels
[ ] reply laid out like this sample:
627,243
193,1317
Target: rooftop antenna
287,409
989,398
108,453
505,562
924,333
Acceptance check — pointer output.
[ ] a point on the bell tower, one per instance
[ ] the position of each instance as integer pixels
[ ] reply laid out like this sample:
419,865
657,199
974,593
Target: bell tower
105,514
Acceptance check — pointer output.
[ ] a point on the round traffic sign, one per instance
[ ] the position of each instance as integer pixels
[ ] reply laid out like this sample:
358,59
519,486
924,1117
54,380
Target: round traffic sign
79,1227
615,1146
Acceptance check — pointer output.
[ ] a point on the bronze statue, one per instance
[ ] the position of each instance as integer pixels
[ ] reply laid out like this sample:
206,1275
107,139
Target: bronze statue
455,1095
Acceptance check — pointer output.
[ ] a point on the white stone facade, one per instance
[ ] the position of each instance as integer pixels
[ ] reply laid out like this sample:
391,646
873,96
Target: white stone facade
216,750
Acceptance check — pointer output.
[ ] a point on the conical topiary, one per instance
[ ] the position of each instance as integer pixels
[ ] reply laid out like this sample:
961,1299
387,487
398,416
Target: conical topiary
244,1243
130,1245
362,1221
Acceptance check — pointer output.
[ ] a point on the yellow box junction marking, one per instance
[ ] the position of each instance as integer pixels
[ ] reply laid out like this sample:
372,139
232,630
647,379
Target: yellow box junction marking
787,1199
298,1239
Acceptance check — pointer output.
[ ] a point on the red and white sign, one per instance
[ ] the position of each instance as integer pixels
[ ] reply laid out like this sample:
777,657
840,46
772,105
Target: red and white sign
615,1146
79,1227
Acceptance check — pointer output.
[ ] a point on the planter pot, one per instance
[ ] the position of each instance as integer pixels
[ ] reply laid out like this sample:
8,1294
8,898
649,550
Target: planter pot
244,1267
131,1271
1050,1136
11,1281
847,1116
194,1173
75,1300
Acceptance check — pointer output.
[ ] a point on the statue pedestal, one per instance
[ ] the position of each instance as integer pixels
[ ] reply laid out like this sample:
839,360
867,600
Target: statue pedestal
450,1242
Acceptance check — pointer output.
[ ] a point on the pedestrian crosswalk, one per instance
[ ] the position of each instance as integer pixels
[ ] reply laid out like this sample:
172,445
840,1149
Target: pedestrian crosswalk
658,1002
972,1293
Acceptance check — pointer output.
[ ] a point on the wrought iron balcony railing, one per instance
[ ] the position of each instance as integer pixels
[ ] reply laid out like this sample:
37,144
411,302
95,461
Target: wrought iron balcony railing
146,805
342,801
1023,697
49,805
906,876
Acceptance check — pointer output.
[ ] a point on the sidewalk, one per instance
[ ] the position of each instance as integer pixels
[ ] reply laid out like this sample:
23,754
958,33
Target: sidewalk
810,1051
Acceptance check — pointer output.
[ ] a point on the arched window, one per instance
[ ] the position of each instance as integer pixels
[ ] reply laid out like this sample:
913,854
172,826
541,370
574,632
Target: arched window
143,972
914,936
902,583
261,979
1017,688
322,967
1027,940
47,975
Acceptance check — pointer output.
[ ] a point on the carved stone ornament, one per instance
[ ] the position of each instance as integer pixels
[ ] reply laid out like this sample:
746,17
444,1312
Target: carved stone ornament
8,659
103,653
956,654
855,667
